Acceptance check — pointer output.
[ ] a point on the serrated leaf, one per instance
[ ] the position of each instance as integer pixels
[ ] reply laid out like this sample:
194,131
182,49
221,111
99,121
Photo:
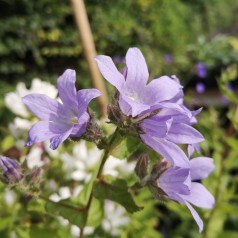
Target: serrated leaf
123,148
69,211
116,191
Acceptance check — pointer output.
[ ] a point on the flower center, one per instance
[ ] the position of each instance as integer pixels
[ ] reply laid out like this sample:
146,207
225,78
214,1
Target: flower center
73,120
133,96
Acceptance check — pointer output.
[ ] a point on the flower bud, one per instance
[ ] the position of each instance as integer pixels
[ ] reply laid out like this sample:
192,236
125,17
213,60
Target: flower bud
141,168
115,114
11,170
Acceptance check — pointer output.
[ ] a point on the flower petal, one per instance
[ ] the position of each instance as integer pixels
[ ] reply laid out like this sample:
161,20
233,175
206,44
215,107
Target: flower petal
175,180
167,149
155,126
192,148
109,71
195,216
67,90
57,140
42,106
199,196
136,107
124,106
80,128
181,133
201,167
137,71
40,132
84,97
161,89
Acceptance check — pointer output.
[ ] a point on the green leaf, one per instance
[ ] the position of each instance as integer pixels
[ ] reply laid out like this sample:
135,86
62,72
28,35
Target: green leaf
7,143
123,148
116,191
96,213
37,231
67,210
230,234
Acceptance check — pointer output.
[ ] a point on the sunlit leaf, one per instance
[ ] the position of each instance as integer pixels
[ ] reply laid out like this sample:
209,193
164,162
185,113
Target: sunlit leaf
116,191
125,147
69,211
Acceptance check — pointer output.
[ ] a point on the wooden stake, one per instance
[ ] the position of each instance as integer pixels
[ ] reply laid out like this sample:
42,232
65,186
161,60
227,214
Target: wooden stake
83,26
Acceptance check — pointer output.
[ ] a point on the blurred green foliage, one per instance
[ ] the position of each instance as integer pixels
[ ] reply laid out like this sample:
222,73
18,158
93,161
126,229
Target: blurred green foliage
39,39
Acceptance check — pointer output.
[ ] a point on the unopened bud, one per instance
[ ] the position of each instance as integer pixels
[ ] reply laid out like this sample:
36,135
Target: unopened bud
11,169
115,114
93,133
141,168
159,168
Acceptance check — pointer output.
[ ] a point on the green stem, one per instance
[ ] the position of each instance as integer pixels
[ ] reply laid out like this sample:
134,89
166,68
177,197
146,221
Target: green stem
103,161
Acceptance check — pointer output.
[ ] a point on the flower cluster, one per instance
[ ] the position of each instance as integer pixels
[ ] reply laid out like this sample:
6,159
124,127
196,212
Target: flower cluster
162,121
153,111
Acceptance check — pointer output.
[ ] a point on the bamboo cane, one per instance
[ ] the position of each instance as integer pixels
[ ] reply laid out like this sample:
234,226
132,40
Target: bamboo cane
83,26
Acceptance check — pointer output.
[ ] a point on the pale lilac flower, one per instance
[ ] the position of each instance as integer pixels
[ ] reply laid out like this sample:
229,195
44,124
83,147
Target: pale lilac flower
178,184
201,70
168,59
200,87
157,107
11,169
224,100
60,120
136,96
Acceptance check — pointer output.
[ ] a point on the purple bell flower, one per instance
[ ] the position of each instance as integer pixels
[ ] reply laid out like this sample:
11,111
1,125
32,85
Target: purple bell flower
157,107
201,70
136,96
171,126
168,59
200,87
60,120
178,184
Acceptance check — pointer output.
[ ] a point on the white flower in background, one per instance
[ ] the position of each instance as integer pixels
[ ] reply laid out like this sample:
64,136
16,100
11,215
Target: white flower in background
13,100
75,231
64,193
18,129
115,218
80,165
14,103
9,197
34,158
114,166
